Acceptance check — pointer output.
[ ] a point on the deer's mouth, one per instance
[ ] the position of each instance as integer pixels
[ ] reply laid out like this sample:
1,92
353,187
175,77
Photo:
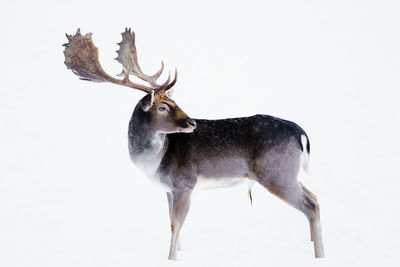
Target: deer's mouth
187,126
191,123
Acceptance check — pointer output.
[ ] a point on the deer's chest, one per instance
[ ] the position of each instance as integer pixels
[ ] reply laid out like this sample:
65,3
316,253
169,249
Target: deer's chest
150,169
148,160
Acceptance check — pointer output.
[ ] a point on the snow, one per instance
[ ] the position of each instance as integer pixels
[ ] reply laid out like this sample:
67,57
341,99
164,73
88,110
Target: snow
69,195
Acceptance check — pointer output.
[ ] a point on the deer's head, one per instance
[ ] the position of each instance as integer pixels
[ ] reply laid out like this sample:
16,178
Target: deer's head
159,110
163,114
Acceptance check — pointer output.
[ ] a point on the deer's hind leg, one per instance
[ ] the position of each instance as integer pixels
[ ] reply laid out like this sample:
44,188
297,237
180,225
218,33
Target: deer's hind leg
278,173
314,197
292,194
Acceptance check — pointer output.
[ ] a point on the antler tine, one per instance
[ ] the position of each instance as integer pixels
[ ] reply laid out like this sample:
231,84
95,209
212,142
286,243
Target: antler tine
174,81
81,56
158,73
165,84
127,56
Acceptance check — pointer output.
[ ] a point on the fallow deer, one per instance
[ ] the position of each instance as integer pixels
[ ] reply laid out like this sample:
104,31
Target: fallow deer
177,152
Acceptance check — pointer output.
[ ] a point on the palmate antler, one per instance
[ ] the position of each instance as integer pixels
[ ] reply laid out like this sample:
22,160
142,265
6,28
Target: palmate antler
81,56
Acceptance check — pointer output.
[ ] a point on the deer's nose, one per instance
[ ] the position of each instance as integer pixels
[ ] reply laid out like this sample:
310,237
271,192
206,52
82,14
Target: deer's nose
191,123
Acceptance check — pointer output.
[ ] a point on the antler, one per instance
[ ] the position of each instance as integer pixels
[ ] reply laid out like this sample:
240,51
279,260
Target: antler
81,56
127,56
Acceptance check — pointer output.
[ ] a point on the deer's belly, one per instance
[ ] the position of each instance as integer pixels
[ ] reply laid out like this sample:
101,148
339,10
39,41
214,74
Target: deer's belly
204,183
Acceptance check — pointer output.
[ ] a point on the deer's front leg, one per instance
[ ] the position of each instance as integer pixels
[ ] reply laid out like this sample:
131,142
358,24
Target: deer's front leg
180,207
170,208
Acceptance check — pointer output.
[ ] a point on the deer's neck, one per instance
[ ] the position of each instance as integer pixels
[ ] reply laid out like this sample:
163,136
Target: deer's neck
147,146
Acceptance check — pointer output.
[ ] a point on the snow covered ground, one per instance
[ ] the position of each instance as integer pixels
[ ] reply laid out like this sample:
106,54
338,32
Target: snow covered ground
69,195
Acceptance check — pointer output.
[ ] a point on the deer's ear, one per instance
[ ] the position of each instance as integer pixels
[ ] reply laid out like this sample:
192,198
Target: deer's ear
147,102
169,92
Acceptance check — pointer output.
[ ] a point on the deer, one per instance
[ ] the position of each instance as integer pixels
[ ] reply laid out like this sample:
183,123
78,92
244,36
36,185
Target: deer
178,152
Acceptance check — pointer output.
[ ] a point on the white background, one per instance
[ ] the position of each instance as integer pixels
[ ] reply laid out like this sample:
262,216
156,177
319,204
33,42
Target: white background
69,195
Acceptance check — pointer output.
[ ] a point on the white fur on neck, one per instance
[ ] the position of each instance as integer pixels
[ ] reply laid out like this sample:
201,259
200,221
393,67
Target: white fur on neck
150,160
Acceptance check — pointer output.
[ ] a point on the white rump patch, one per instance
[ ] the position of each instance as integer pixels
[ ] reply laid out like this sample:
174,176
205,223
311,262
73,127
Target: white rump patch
306,156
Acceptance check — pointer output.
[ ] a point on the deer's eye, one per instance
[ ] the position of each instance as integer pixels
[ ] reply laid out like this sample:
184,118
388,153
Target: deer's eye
162,109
